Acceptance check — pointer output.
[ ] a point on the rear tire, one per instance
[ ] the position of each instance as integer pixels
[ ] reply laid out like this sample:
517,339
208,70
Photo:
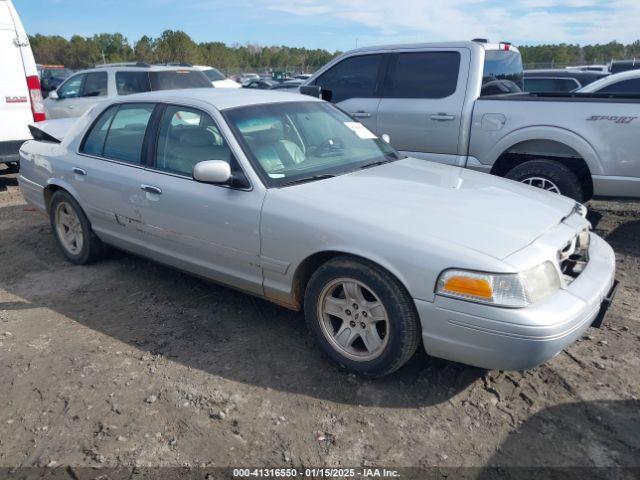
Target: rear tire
72,230
373,328
550,175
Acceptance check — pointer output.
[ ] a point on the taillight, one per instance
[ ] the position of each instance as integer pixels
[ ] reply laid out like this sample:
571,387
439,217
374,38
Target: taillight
37,106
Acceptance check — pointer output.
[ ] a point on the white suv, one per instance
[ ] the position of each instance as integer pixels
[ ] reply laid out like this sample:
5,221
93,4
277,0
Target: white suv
20,95
217,78
84,89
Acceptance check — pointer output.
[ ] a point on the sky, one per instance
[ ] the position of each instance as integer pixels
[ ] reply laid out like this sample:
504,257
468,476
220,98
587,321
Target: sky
341,24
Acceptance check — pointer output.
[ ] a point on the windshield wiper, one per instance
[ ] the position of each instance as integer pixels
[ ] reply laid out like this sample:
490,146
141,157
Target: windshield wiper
311,178
390,157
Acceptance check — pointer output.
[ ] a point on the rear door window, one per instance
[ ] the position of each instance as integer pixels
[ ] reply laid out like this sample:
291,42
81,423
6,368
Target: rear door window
128,83
126,133
353,77
95,85
94,141
423,75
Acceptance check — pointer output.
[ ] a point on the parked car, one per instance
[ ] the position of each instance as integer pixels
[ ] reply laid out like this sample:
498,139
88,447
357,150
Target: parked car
245,78
217,78
445,102
618,66
20,95
556,80
261,84
617,84
52,76
288,198
86,88
288,85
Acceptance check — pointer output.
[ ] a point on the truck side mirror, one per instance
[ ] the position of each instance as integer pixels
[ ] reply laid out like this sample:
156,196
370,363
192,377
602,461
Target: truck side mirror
316,91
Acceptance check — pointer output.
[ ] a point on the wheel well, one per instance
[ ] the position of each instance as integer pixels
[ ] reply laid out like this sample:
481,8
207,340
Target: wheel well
48,193
309,266
548,150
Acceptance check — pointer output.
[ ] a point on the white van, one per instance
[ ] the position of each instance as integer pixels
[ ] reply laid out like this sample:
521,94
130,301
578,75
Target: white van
20,95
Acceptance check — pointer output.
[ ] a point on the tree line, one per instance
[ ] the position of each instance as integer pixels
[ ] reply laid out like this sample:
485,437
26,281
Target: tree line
172,46
567,54
176,46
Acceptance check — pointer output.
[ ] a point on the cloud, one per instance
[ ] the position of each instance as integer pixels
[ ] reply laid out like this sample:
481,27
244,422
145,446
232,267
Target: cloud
521,21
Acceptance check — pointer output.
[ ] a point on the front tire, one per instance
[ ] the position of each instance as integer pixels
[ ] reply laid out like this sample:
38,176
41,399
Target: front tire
72,230
361,316
548,175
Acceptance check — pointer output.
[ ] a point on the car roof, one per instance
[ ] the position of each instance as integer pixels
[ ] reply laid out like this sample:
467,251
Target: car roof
135,68
220,98
419,46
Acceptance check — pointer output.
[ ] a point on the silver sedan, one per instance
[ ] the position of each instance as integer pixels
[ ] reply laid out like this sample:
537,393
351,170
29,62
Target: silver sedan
287,198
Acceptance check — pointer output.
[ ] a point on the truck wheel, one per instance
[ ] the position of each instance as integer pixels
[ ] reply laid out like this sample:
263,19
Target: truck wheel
361,317
72,230
549,175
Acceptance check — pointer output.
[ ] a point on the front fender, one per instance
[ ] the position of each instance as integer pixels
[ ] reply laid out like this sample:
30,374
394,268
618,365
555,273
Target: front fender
554,134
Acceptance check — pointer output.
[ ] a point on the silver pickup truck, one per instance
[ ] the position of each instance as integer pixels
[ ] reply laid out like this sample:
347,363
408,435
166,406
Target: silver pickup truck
462,104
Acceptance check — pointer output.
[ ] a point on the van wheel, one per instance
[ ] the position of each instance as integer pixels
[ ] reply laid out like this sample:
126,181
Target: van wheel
549,175
362,318
72,230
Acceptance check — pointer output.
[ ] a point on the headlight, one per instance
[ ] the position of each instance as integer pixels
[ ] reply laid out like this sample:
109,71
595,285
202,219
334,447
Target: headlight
515,290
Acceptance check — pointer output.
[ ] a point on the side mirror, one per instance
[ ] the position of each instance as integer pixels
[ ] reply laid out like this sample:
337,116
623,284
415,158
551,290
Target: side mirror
53,95
386,138
212,171
311,90
316,91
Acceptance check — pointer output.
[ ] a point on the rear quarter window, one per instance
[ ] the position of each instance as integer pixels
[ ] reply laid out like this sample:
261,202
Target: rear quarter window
178,79
128,83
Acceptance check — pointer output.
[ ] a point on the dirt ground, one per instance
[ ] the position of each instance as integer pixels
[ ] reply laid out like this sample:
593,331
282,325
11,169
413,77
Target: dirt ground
128,363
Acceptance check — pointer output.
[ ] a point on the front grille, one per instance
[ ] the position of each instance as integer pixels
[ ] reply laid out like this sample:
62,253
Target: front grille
574,257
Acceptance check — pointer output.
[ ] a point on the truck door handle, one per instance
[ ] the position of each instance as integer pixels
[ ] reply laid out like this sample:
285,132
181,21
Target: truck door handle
361,114
71,107
79,171
151,189
442,117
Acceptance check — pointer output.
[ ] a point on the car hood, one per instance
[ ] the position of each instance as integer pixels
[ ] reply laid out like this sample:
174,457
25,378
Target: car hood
422,200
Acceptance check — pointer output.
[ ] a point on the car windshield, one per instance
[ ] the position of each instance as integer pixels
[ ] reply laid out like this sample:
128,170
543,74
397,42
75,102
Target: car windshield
293,142
58,74
214,75
178,79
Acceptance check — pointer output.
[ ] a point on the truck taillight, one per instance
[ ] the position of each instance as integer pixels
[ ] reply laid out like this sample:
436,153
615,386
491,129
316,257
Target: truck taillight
37,106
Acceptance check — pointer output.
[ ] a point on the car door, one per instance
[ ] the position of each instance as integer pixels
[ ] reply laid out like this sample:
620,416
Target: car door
210,230
78,94
67,93
422,101
108,171
354,84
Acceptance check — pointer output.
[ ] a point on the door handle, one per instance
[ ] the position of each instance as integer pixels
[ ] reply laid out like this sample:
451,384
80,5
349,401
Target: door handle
79,171
151,189
442,117
361,115
71,107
